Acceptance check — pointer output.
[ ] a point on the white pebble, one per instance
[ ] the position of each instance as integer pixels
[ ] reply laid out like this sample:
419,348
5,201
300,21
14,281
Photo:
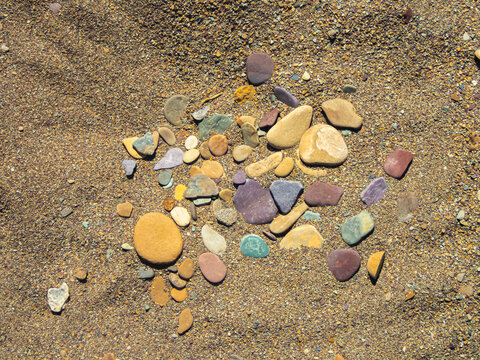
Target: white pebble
306,76
191,142
57,297
181,216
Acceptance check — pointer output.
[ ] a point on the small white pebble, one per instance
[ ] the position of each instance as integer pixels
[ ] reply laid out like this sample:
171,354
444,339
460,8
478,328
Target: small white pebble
306,76
191,142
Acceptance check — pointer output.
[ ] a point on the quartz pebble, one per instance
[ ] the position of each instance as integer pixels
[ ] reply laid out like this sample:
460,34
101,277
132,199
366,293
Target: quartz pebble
323,194
285,96
127,247
284,222
254,246
343,263
322,144
241,153
285,194
397,163
190,156
288,131
218,145
341,113
261,167
375,264
285,167
181,216
185,321
212,268
407,202
259,68
174,109
191,142
357,227
306,76
167,135
124,209
186,269
213,241
130,166
173,158
374,192
57,297
303,235
255,203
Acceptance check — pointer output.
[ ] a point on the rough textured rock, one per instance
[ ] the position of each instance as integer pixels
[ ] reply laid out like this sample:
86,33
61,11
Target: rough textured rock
323,194
397,163
201,186
259,68
285,96
212,268
261,167
341,113
57,297
174,109
130,167
216,122
145,145
374,192
322,144
269,119
288,131
343,263
304,235
227,216
255,203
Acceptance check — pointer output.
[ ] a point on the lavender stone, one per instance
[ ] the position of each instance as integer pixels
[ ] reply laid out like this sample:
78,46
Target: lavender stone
343,263
259,68
374,192
173,158
239,178
255,203
130,166
285,193
285,97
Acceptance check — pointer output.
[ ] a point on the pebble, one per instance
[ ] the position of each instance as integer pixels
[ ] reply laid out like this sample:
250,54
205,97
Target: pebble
157,239
200,114
227,216
130,166
341,113
127,247
259,68
145,273
174,109
178,295
212,268
239,178
332,34
407,202
128,143
124,209
241,153
217,206
186,269
397,163
213,241
158,293
461,215
269,235
167,135
375,264
190,156
477,54
311,216
201,186
269,118
246,119
284,222
173,158
285,97
65,212
303,235
261,167
285,167
195,170
213,169
216,122
349,89
176,281
322,144
169,203
80,274
185,321
57,297
255,203
191,142
323,194
244,94
226,195
466,290
374,192
54,8
181,216
179,192
343,263
254,246
205,151
202,201
218,145
111,356
285,194
306,76
250,135
357,227
410,295
145,145
193,211
288,131
165,176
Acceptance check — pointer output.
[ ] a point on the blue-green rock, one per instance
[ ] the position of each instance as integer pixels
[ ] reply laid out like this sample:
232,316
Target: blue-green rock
357,228
310,215
253,246
145,145
217,122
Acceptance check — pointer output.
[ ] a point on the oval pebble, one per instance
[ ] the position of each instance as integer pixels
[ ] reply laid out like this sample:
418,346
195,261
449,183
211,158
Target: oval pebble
212,268
213,241
254,246
218,145
181,216
191,142
343,263
190,156
285,167
167,135
213,169
259,68
284,96
241,153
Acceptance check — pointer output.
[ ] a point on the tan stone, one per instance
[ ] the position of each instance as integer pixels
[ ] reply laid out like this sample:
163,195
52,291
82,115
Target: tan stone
195,170
466,290
156,138
213,169
179,295
284,222
190,156
477,53
307,170
409,295
322,144
218,145
169,203
375,263
341,113
109,356
288,131
128,143
246,120
264,165
241,152
226,195
167,135
304,235
158,293
185,321
205,151
285,167
80,274
124,209
186,269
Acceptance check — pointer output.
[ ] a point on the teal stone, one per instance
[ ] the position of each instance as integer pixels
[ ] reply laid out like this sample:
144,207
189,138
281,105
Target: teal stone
357,228
145,145
253,246
217,122
310,215
346,132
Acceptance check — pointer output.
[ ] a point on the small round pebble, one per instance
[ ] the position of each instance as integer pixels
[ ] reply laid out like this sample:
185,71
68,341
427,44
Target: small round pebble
186,269
205,151
212,268
191,142
165,176
181,216
176,281
239,178
213,169
218,145
191,156
241,153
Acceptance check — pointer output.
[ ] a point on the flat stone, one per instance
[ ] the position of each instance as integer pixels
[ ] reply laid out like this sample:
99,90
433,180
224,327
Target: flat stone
200,114
255,203
323,194
186,269
218,145
269,119
158,293
250,136
311,216
201,186
174,109
178,295
165,176
322,144
374,192
285,97
66,211
212,268
57,297
341,113
284,222
303,235
124,209
466,290
145,273
261,167
375,264
288,131
127,247
259,68
157,239
185,321
397,163
190,156
191,142
128,143
407,202
130,166
179,192
245,119
181,216
254,246
306,76
349,89
343,263
216,122
227,216
213,241
167,135
285,194
241,153
205,151
176,281
357,228
55,8
145,145
202,201
193,211
285,167
239,178
173,158
217,206
195,170
244,93
226,195
213,169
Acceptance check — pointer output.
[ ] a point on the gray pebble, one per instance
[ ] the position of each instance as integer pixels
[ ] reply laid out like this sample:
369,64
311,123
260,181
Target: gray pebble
193,211
349,89
66,211
145,273
165,176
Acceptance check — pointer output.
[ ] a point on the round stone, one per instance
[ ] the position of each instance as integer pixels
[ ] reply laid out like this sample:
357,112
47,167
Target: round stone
190,156
343,263
181,216
165,176
341,113
205,151
213,169
226,195
285,167
157,239
259,68
186,269
254,246
218,145
191,142
212,268
322,144
241,153
175,108
178,295
288,131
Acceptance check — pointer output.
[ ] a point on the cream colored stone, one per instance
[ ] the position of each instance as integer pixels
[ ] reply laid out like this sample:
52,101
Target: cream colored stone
181,216
191,142
341,113
477,53
307,170
288,131
285,167
190,156
304,235
264,165
322,144
241,152
306,76
284,222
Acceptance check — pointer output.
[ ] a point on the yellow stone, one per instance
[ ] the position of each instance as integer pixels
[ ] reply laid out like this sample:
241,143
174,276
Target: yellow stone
185,321
307,170
285,167
179,295
246,120
158,293
409,295
477,53
284,222
179,191
213,169
375,263
304,235
264,165
124,209
244,93
128,143
195,170
226,195
186,269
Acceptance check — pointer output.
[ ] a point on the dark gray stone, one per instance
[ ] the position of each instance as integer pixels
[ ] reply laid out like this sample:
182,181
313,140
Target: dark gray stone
285,194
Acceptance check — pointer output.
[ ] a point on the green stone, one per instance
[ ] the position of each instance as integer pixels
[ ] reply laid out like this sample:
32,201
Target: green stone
254,246
310,215
217,123
357,228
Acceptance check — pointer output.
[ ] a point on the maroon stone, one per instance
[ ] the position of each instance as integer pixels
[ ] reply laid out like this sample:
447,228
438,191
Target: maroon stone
212,268
397,163
322,194
285,96
269,119
259,68
343,263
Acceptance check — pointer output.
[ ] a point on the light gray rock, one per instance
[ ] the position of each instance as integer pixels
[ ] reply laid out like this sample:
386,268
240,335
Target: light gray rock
57,297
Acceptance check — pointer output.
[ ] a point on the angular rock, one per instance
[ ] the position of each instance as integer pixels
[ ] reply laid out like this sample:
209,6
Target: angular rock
124,209
254,246
259,68
261,167
285,194
250,135
173,158
304,235
213,241
375,264
357,228
216,122
397,163
343,263
201,186
128,143
341,113
130,166
323,194
227,216
167,135
241,153
284,96
57,297
322,144
145,145
288,131
374,192
174,109
407,202
212,268
284,222
255,203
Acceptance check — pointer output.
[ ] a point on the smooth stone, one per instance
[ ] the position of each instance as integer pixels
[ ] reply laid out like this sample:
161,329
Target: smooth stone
213,169
80,274
178,295
157,238
55,8
259,68
343,263
169,203
213,241
128,143
261,167
176,281
288,131
169,185
212,268
239,178
477,54
186,269
303,235
218,145
216,122
173,158
217,206
269,119
130,166
191,142
349,89
285,97
205,151
397,163
466,290
461,215
202,201
317,172
306,76
246,119
375,264
341,113
227,216
322,144
285,167
66,211
226,195
190,156
374,192
284,222
285,194
357,228
145,145
200,114
250,135
185,321
255,203
57,297
179,192
195,170
181,216
145,273
323,194
165,176
158,293
311,216
407,202
201,186
167,135
241,153
124,209
269,235
174,109
193,211
254,246
127,247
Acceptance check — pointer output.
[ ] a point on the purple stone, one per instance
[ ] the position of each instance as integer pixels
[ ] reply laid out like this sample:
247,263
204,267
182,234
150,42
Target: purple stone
322,194
285,97
55,7
259,68
374,192
239,178
130,166
173,158
255,203
343,263
285,193
269,119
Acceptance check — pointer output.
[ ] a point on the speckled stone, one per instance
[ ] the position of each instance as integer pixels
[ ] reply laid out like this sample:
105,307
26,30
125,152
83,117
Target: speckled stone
255,203
374,192
397,163
323,194
269,119
173,158
259,68
285,96
130,166
174,109
227,216
357,228
216,122
343,263
303,235
254,246
285,194
201,186
212,268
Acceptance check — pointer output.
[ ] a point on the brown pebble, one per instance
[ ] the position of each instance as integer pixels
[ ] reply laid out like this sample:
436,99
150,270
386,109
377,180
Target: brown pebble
169,203
80,274
179,295
205,151
182,136
195,170
218,145
185,321
167,135
407,15
193,211
124,209
409,295
269,235
246,120
213,169
176,281
226,195
109,356
157,291
186,269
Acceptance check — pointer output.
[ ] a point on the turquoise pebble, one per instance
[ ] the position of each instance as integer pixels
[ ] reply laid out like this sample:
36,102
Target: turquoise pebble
310,215
147,307
295,77
253,246
357,227
346,132
85,224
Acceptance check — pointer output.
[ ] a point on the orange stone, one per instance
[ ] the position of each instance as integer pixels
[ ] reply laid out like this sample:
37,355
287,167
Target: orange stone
186,269
218,145
158,293
124,209
195,170
185,321
375,264
179,295
169,204
409,295
80,274
213,169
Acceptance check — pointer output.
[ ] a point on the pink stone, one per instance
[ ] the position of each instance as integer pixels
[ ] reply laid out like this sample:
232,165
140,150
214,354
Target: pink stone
269,119
322,194
343,263
212,268
397,163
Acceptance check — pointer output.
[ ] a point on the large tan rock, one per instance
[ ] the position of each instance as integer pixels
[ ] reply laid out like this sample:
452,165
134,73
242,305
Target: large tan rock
288,131
304,235
341,113
322,144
